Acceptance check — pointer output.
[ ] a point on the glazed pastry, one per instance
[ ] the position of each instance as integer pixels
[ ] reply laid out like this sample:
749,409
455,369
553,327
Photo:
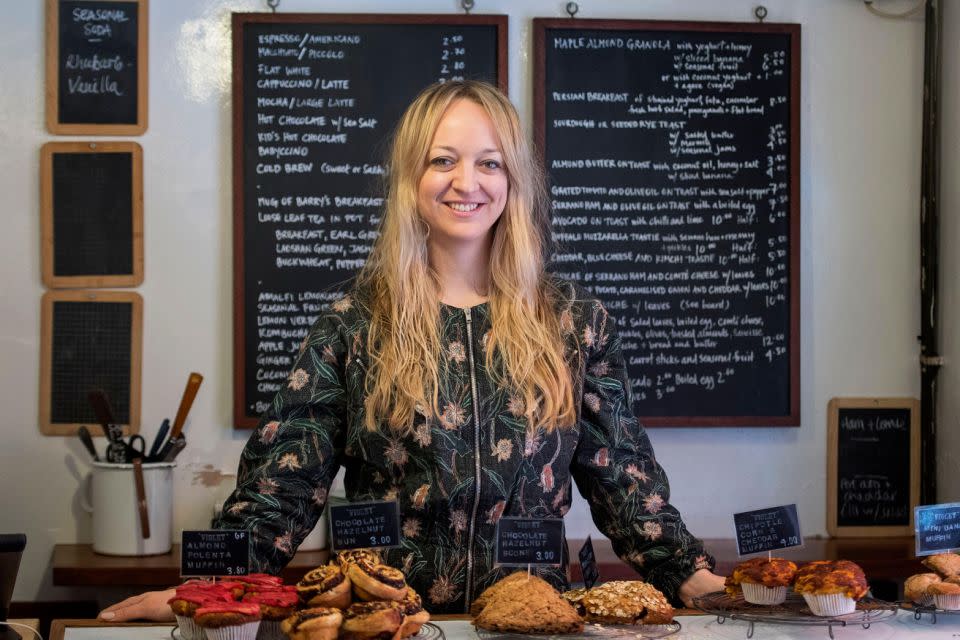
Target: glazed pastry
351,556
528,606
378,620
762,580
831,588
190,597
317,623
376,581
627,602
325,586
915,588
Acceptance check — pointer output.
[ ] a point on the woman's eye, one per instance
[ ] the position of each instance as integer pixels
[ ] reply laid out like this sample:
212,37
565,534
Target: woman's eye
492,165
441,162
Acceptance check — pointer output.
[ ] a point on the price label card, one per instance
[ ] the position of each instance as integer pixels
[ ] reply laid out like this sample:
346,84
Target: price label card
223,552
937,527
362,525
525,541
767,529
588,564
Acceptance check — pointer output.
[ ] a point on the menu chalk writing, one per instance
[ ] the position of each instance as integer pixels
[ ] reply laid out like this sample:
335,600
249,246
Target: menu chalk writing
673,153
526,541
873,465
315,103
767,529
588,564
96,63
361,525
937,528
223,552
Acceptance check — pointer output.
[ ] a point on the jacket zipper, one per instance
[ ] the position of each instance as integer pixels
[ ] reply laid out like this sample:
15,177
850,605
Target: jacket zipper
476,465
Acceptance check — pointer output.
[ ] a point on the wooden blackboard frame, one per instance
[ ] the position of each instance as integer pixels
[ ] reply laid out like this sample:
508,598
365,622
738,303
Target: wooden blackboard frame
46,356
541,27
51,279
53,78
240,21
833,461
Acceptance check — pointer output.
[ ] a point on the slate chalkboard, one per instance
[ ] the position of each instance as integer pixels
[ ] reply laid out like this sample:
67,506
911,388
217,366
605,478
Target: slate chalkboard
91,209
673,150
937,528
315,100
223,552
97,66
89,340
767,529
364,525
873,466
527,541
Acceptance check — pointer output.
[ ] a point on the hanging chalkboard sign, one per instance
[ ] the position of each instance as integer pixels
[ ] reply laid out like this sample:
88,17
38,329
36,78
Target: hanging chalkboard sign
97,67
89,340
91,214
315,100
873,466
673,150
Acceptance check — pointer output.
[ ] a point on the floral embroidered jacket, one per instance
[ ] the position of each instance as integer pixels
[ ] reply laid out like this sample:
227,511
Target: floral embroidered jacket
454,476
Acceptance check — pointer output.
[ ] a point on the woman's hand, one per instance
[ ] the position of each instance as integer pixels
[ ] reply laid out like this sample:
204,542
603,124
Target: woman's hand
700,583
151,605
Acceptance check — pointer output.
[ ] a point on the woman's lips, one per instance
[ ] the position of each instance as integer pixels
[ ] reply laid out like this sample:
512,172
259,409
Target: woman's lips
464,208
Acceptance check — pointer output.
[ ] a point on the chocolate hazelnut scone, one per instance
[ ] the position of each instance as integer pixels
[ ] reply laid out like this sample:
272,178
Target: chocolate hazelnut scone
528,606
481,601
325,586
317,623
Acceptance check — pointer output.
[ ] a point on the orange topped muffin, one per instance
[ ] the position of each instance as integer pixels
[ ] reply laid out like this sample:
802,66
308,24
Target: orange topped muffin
762,580
831,587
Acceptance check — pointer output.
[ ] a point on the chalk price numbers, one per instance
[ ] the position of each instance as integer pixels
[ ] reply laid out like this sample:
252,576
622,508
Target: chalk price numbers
527,541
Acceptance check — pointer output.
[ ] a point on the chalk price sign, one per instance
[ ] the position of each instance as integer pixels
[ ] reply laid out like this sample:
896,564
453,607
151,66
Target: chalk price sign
767,529
361,525
215,553
938,528
525,541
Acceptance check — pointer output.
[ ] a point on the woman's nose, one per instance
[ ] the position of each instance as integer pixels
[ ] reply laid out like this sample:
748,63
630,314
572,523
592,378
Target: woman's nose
465,178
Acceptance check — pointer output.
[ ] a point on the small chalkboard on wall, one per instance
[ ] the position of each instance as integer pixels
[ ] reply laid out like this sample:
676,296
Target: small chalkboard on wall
873,466
89,340
91,206
97,67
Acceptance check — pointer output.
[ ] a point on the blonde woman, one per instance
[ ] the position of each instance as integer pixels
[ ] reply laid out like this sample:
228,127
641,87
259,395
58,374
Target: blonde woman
460,379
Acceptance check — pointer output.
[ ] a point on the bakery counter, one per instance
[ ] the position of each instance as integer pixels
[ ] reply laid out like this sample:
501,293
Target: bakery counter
692,627
882,559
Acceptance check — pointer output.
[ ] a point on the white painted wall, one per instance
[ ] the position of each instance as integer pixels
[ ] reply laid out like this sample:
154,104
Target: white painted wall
860,145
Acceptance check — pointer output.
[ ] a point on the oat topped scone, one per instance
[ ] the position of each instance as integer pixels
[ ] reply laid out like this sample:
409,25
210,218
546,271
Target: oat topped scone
626,602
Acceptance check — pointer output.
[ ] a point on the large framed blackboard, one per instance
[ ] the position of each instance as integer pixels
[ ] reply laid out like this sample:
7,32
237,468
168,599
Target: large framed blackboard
315,99
673,150
91,214
873,466
89,340
97,67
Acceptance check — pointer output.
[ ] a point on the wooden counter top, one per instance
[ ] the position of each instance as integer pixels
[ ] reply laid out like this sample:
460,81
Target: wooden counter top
890,559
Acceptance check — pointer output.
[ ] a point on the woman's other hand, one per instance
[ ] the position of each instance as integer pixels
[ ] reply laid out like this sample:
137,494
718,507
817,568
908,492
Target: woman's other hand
151,605
700,583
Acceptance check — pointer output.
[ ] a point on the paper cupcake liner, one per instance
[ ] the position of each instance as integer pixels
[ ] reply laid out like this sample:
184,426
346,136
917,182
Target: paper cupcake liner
924,601
830,604
246,631
760,594
270,630
189,630
947,601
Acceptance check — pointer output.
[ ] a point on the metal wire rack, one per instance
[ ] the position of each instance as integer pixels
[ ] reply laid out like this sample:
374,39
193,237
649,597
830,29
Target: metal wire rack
794,611
920,609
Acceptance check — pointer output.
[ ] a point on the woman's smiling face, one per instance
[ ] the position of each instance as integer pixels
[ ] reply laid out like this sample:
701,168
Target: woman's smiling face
464,188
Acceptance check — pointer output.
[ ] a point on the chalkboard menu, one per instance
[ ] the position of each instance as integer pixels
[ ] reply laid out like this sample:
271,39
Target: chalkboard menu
97,66
873,466
91,220
89,340
316,98
673,153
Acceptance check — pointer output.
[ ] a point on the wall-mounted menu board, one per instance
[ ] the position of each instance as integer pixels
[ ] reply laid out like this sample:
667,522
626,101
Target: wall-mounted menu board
89,340
97,67
315,99
873,466
673,150
91,214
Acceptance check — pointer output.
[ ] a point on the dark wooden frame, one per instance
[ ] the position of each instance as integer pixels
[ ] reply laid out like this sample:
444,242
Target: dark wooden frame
540,28
833,462
46,353
240,20
53,78
52,280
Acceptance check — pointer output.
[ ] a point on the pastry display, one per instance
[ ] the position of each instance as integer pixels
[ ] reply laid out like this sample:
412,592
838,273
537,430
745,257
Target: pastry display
762,581
528,605
915,588
229,620
946,594
317,623
626,602
325,586
831,588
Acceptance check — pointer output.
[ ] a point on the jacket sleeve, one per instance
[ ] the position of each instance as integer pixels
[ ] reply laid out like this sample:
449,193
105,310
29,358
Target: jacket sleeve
616,471
292,457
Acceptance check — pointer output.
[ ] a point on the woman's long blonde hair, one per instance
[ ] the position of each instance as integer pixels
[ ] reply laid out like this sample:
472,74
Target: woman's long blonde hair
402,291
